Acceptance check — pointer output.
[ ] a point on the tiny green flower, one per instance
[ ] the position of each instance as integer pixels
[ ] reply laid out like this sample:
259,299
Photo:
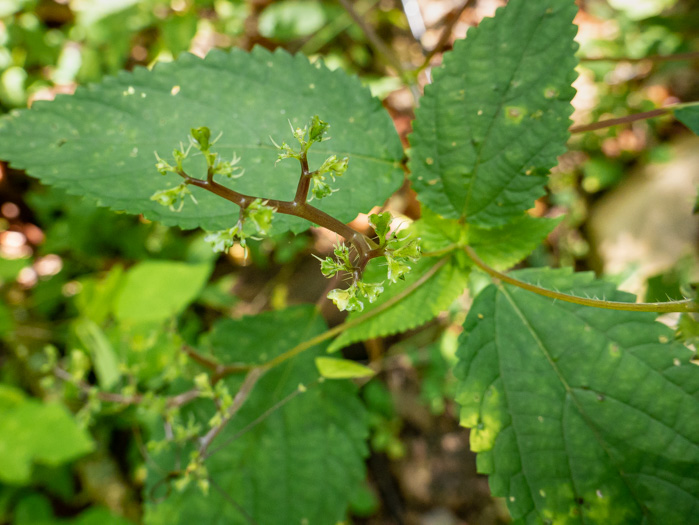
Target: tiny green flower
200,138
396,269
346,299
381,223
370,290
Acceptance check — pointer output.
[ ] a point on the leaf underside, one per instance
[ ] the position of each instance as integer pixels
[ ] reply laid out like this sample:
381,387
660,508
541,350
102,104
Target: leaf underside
495,118
579,415
302,463
100,142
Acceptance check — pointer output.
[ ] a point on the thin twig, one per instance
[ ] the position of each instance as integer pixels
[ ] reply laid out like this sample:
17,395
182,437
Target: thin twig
621,120
382,49
112,397
259,419
240,397
444,37
693,55
688,305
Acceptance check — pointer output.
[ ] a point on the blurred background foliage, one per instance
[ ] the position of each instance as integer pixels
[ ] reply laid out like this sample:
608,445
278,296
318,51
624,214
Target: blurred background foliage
88,297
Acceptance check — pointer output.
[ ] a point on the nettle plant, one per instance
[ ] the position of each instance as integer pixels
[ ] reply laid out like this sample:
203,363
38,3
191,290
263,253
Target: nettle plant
582,407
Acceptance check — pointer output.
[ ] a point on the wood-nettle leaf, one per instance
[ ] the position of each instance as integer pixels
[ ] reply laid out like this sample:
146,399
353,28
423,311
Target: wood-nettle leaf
299,464
100,142
35,432
495,118
579,415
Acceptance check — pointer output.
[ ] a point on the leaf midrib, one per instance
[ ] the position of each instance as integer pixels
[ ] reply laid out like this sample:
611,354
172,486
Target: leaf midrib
571,394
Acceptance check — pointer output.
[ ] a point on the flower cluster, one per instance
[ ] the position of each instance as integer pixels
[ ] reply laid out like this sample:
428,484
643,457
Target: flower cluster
315,131
398,252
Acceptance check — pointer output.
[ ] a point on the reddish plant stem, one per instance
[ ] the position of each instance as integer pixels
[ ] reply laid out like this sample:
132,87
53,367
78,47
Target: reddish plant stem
693,55
299,207
621,120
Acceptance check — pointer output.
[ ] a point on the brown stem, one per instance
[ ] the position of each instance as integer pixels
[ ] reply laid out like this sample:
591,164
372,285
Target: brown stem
621,120
361,243
445,36
219,370
304,181
112,397
694,55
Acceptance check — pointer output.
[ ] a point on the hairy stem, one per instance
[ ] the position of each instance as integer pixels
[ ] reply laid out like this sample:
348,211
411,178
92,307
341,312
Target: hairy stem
688,305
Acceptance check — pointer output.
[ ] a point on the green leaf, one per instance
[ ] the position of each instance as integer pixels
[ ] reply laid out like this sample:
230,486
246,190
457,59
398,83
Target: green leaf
100,142
507,245
101,351
417,307
579,415
333,368
303,461
689,116
36,509
154,291
34,432
495,118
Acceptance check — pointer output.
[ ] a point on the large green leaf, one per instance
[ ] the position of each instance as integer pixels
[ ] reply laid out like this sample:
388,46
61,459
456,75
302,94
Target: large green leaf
100,142
302,463
34,432
579,415
153,291
495,118
418,306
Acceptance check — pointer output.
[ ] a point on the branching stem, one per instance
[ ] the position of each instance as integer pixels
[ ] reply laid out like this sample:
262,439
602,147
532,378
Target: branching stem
298,207
688,305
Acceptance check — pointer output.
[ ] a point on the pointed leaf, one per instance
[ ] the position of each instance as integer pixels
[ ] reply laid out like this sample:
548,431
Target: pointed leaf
100,142
156,290
303,461
495,118
333,368
34,432
579,415
689,116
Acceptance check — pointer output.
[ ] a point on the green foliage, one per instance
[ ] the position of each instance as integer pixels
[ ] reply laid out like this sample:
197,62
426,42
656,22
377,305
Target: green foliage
566,407
578,415
102,140
148,295
33,432
496,117
409,305
689,116
300,463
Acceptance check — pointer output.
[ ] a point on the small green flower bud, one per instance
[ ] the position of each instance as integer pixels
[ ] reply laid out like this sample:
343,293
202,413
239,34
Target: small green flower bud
370,290
381,223
346,299
260,215
200,138
396,269
317,130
